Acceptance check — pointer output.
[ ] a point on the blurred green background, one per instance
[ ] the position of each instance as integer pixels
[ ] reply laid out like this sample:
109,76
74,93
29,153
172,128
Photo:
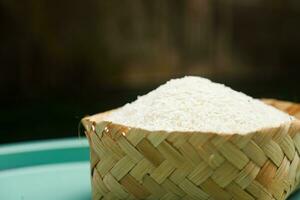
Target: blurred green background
62,60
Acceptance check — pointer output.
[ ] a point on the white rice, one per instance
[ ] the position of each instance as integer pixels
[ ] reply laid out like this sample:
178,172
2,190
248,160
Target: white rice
197,104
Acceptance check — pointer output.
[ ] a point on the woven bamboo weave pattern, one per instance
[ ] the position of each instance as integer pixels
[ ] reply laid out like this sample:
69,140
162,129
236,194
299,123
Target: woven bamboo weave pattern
130,163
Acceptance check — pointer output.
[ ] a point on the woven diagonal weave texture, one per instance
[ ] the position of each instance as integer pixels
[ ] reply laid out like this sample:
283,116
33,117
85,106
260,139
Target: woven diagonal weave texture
129,163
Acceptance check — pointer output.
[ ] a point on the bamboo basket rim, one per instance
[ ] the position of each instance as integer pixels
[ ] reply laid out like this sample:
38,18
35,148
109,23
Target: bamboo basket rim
90,122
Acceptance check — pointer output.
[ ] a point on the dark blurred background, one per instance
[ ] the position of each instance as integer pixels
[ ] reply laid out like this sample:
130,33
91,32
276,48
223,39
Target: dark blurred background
62,60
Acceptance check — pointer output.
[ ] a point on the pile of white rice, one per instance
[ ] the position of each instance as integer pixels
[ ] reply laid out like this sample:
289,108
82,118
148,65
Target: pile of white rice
197,104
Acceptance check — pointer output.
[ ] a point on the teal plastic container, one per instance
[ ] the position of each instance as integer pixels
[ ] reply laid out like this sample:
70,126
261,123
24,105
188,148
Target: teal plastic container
48,170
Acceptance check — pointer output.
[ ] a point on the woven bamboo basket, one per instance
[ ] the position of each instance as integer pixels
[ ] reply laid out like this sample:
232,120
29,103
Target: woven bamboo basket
132,163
